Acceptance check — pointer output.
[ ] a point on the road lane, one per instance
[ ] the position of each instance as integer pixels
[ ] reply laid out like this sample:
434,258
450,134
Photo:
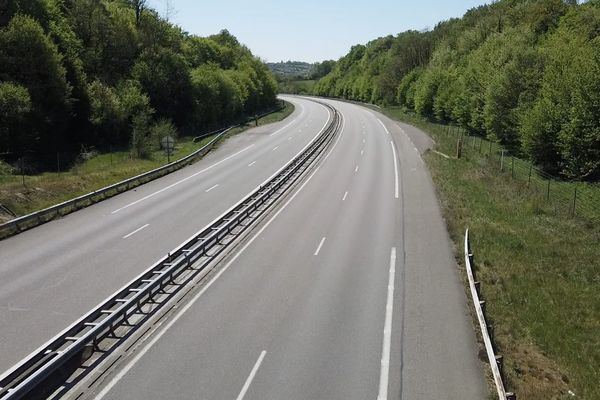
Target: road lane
53,274
351,295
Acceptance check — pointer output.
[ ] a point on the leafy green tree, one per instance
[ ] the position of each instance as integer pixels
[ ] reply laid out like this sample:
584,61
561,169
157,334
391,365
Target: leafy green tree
15,106
31,59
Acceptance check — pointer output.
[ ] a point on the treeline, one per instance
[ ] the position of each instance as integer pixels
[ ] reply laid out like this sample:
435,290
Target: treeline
525,73
113,73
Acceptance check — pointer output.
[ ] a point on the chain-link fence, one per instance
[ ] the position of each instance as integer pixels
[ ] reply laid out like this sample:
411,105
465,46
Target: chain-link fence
571,198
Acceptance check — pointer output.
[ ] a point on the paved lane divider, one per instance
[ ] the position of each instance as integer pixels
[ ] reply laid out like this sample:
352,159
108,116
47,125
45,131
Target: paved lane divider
319,246
212,187
251,376
136,231
65,360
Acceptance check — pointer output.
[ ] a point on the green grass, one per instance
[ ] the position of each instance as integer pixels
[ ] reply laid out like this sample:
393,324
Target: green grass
43,190
539,268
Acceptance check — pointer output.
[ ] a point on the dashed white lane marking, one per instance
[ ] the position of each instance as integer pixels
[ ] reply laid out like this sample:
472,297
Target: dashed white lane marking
290,138
136,231
252,163
275,148
356,169
387,330
251,376
362,152
364,141
212,187
181,181
319,247
291,122
345,195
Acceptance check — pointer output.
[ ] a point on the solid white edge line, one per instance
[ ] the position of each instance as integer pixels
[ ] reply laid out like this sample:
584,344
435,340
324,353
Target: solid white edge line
251,376
395,169
387,330
384,127
123,371
345,195
338,137
211,188
319,247
182,180
136,231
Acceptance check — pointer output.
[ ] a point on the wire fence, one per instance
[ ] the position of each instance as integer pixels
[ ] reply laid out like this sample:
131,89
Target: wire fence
565,197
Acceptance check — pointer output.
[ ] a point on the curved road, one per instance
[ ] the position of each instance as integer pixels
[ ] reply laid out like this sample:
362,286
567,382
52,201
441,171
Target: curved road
348,291
53,274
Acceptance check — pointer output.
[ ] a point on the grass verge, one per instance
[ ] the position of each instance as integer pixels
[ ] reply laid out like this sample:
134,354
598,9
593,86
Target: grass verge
43,190
539,268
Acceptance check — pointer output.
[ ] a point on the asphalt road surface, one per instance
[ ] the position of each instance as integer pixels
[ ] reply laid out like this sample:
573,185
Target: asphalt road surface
53,274
348,291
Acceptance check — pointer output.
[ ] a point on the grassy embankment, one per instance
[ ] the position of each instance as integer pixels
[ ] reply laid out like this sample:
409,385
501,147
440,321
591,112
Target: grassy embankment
50,188
539,267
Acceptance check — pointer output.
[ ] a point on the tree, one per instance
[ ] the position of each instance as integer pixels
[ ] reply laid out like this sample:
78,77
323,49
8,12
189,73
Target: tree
15,105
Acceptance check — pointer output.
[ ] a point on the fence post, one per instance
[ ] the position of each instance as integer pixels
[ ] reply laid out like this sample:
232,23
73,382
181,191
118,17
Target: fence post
548,191
502,161
490,152
530,168
458,148
574,200
480,143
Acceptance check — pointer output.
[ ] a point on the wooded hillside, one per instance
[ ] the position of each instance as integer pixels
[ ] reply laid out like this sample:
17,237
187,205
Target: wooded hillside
114,73
523,72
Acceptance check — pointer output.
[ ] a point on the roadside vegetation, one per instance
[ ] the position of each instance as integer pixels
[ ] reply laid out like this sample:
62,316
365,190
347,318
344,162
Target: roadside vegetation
25,194
88,75
539,267
523,73
295,77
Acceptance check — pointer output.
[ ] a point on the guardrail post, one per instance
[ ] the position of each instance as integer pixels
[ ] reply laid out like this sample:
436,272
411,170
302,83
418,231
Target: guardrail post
500,363
482,305
511,396
478,288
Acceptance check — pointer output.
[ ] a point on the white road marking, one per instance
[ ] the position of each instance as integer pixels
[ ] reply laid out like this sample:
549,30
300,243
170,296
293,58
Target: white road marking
345,195
136,231
252,163
384,127
395,169
319,247
286,126
387,331
212,187
275,148
290,138
362,152
251,376
182,180
356,169
417,150
364,141
187,306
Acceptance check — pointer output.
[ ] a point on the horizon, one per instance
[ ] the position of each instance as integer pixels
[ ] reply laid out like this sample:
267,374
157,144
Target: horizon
254,26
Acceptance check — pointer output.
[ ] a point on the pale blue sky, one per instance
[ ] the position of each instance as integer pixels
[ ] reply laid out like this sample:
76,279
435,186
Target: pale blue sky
309,30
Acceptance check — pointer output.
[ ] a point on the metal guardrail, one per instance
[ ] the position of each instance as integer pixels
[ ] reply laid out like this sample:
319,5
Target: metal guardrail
34,219
101,330
495,360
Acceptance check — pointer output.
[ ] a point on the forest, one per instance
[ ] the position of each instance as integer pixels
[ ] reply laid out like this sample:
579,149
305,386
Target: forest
525,73
80,74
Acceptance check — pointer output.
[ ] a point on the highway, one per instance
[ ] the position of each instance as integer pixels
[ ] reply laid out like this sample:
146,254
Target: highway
53,274
349,290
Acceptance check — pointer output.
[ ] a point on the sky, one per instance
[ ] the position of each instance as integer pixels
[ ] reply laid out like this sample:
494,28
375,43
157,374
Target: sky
309,30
